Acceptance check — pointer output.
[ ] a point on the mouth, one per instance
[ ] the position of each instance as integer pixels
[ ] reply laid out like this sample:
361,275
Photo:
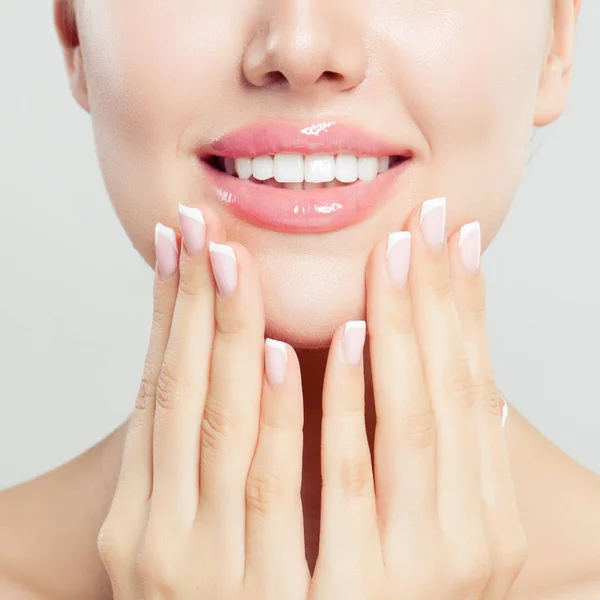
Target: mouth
294,179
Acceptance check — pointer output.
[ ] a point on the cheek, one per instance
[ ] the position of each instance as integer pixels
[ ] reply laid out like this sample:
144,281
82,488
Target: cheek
149,79
467,76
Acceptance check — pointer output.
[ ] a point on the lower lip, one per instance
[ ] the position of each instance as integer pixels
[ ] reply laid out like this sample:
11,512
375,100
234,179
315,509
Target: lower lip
304,211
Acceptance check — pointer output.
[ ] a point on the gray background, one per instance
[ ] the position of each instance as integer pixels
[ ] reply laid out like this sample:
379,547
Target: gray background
76,298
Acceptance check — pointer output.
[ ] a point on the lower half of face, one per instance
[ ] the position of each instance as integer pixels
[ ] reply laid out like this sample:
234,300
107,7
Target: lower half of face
452,82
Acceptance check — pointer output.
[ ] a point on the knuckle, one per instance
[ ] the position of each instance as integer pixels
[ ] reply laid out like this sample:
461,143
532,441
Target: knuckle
111,546
162,311
189,286
491,398
229,324
513,554
460,384
400,318
478,310
154,568
472,568
356,478
440,284
419,428
146,392
217,425
169,385
264,491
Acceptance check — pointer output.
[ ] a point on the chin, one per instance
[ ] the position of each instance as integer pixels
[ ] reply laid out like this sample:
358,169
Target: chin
306,307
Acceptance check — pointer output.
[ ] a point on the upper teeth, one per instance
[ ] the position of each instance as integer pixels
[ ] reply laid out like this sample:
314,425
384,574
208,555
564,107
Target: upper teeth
315,168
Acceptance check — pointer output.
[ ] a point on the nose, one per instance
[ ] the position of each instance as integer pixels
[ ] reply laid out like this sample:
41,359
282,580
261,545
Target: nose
305,45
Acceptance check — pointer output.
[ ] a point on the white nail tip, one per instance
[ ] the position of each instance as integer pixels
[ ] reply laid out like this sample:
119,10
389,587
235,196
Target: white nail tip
429,205
355,325
193,213
276,345
221,249
466,230
165,231
504,412
394,237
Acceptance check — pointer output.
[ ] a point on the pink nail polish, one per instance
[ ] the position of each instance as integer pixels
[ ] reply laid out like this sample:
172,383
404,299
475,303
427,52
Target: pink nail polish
193,229
469,245
224,264
353,341
433,223
167,252
398,257
275,361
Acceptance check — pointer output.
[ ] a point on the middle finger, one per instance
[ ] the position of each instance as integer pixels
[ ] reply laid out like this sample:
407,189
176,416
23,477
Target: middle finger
447,370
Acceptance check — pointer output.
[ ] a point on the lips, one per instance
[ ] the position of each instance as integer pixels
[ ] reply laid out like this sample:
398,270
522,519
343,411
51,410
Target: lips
319,207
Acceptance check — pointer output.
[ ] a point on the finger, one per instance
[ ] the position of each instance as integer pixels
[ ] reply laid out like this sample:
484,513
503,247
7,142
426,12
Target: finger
405,432
447,370
348,511
119,536
135,477
275,553
497,487
183,380
230,423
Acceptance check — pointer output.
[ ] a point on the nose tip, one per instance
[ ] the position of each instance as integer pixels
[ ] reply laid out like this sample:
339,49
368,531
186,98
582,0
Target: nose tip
304,55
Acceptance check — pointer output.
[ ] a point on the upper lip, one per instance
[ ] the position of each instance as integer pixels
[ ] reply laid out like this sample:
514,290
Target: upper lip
328,136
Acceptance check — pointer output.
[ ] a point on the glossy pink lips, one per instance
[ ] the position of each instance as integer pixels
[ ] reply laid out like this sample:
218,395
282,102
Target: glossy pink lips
309,211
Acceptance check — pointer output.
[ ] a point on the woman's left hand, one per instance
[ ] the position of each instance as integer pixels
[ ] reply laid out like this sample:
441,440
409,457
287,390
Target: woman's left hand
436,518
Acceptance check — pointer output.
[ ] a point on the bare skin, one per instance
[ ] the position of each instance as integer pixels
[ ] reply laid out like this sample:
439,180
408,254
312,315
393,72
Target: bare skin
48,547
48,550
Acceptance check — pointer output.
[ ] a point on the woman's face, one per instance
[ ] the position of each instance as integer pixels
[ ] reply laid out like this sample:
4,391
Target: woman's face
455,82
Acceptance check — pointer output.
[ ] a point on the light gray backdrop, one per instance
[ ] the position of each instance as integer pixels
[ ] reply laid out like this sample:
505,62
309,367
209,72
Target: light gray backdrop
76,298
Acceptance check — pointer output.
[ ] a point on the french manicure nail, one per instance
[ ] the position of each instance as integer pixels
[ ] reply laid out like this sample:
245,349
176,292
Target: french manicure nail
275,361
193,228
504,411
353,341
167,253
469,245
433,223
224,264
398,257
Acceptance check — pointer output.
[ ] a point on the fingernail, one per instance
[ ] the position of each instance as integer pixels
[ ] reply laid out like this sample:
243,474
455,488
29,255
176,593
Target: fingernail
193,228
275,361
224,265
433,223
167,253
398,257
353,341
469,245
504,412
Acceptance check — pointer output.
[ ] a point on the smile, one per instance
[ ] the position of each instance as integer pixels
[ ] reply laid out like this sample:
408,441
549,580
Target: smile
295,179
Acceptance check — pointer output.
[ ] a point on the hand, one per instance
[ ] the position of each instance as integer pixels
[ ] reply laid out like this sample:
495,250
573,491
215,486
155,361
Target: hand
208,504
437,519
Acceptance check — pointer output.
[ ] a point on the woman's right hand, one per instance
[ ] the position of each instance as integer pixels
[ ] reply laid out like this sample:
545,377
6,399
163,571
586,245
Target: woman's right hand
208,503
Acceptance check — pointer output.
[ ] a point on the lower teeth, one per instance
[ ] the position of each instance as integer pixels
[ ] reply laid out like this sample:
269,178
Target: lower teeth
305,185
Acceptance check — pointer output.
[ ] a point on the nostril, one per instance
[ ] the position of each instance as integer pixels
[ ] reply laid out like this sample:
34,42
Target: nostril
275,78
332,76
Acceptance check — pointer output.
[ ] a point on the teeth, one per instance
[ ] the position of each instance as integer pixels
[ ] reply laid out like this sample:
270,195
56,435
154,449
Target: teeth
262,167
346,168
320,168
314,171
383,163
243,167
289,168
367,168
